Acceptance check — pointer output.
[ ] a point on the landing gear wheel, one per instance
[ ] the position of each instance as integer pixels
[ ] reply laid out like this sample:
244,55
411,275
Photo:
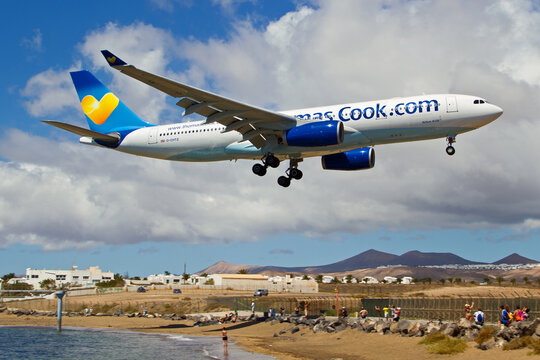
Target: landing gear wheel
296,173
450,150
284,181
259,169
272,161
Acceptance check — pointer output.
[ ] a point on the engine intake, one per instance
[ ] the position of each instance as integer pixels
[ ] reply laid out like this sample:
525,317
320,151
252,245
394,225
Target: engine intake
320,133
357,159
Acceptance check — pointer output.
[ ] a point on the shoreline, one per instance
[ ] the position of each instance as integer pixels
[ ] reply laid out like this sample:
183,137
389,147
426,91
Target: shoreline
275,339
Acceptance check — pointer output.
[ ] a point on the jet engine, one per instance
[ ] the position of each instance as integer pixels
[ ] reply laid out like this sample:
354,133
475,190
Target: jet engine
320,133
357,159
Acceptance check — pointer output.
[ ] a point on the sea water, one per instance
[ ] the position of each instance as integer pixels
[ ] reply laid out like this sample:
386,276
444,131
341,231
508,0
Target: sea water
33,342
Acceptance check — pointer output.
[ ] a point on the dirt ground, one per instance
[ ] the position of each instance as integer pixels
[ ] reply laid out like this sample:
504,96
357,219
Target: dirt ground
259,337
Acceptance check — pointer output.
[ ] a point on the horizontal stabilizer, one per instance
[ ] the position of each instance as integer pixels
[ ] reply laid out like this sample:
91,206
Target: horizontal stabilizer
109,139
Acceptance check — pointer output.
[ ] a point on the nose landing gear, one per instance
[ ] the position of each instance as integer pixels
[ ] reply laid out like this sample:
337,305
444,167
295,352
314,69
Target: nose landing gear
450,150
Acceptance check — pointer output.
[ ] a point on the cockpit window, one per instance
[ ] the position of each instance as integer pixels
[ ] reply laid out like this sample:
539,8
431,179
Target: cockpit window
479,101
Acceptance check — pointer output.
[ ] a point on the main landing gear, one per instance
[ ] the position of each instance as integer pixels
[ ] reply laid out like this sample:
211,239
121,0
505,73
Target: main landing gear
292,173
450,149
270,160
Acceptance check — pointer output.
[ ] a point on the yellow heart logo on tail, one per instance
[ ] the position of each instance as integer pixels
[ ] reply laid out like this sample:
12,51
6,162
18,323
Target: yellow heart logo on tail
111,59
99,111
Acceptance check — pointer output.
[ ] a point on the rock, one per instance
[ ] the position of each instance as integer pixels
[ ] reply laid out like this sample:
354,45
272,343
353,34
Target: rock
319,327
339,325
275,335
382,326
330,329
368,325
470,334
465,324
414,329
403,326
500,343
451,329
295,329
282,332
487,345
532,328
431,327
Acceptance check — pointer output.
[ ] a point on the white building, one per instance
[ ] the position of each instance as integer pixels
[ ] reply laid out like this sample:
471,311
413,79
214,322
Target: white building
89,277
406,280
390,279
327,279
369,280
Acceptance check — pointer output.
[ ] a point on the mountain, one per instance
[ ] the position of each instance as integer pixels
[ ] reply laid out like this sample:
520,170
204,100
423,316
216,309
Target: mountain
417,258
515,259
366,260
222,267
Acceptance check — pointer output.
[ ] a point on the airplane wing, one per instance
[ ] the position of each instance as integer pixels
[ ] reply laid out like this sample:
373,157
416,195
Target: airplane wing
255,124
108,139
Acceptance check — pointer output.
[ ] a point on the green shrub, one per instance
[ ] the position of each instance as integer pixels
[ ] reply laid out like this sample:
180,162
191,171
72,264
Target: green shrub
448,346
433,338
485,334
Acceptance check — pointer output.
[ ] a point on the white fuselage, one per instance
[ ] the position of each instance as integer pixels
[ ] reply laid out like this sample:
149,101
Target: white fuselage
366,124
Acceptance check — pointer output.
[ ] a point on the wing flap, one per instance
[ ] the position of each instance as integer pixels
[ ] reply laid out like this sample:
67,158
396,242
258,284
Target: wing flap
212,106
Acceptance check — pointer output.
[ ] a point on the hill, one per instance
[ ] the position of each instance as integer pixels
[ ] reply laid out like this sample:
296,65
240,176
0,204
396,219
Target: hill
370,259
515,259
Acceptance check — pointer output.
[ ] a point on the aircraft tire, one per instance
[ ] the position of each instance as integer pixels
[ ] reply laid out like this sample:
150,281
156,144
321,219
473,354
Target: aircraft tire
296,174
272,161
284,181
450,150
259,169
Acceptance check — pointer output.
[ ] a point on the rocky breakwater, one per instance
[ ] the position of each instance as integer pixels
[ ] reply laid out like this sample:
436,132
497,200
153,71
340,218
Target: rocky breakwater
491,337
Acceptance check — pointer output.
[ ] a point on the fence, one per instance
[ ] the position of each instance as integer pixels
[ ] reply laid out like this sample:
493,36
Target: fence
411,308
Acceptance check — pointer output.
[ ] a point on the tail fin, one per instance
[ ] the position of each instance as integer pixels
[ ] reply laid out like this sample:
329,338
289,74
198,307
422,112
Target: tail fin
104,112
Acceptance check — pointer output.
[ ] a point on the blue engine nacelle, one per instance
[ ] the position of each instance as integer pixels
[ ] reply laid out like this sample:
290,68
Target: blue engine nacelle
320,133
358,159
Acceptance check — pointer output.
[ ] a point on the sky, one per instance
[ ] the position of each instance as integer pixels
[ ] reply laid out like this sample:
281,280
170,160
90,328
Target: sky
63,203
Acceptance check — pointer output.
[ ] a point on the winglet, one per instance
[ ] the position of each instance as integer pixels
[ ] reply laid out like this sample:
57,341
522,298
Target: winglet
112,59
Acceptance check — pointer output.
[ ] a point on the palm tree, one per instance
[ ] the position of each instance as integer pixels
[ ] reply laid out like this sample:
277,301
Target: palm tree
242,271
305,277
499,280
442,281
526,280
319,278
349,278
487,280
513,281
451,280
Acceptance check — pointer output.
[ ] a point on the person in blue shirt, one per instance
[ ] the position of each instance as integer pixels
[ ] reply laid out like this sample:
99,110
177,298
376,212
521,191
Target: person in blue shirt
505,315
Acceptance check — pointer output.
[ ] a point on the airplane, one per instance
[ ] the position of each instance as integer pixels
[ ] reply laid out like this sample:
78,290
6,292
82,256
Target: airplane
343,135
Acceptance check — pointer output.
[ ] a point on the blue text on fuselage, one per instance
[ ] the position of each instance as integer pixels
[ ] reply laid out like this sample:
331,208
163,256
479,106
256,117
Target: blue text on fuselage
377,111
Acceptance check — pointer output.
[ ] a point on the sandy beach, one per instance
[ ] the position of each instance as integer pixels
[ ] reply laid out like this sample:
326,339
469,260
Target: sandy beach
259,337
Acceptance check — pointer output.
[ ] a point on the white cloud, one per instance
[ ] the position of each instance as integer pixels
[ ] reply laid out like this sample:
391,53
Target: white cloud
342,51
49,93
35,43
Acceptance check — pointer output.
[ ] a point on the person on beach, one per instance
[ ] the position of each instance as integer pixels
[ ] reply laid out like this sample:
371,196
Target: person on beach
518,314
378,310
224,337
397,313
86,310
281,311
479,317
253,307
525,313
386,312
468,311
363,313
296,311
306,308
505,316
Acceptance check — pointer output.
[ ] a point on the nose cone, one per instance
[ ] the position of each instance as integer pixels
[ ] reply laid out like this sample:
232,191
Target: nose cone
497,111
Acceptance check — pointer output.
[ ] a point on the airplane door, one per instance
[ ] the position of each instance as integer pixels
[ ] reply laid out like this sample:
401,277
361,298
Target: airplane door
152,135
451,104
